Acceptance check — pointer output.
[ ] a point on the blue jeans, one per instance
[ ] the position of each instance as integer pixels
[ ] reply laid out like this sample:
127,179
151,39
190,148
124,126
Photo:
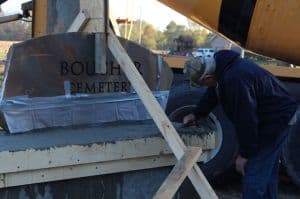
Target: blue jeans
261,172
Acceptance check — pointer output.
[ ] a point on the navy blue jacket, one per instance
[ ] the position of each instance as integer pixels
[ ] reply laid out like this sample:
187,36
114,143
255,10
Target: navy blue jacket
252,98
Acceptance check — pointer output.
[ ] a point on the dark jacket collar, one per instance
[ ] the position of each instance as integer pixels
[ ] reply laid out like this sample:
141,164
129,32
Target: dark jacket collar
224,60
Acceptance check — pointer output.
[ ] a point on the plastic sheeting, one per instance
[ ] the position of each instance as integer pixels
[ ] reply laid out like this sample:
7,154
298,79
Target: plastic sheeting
25,114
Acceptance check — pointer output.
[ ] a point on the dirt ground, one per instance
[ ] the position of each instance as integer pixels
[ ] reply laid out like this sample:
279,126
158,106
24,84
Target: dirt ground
5,45
1,68
231,188
235,193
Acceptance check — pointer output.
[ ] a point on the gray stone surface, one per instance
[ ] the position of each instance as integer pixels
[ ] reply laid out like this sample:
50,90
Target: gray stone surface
23,114
80,135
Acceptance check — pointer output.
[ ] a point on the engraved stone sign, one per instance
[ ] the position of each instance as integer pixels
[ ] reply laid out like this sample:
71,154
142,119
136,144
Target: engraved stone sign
44,66
50,81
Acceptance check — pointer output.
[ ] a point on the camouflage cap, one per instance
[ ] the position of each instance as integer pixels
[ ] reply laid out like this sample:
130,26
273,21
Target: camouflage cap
196,68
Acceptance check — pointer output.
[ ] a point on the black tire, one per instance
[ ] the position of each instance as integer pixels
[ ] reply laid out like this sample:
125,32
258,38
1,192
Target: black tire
291,152
181,98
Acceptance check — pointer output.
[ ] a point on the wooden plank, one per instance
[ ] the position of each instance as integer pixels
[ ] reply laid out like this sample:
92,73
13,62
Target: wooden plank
176,62
79,22
40,14
84,170
71,155
96,12
97,24
178,174
161,120
283,71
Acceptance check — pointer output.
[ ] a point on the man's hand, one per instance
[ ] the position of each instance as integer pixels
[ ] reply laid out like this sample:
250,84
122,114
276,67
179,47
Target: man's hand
240,164
189,120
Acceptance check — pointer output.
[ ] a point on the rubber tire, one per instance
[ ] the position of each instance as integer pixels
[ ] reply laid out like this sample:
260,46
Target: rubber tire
291,152
183,95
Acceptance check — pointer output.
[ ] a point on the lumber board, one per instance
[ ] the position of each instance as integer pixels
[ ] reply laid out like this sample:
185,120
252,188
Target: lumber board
96,12
63,153
178,174
40,15
176,62
161,120
71,155
83,170
79,22
281,71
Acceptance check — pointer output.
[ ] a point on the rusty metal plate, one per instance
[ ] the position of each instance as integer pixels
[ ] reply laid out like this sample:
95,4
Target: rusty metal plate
43,66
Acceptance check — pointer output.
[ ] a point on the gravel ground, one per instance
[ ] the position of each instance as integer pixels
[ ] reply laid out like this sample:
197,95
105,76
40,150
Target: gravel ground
233,193
231,188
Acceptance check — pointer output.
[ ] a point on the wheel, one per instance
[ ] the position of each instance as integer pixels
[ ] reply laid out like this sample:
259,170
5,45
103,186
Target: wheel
181,102
211,121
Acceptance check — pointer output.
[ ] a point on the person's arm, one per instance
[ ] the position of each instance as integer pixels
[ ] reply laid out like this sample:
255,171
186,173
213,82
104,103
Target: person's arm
240,95
207,103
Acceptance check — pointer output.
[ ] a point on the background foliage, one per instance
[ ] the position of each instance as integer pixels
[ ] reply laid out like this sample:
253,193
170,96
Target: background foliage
139,31
155,39
15,31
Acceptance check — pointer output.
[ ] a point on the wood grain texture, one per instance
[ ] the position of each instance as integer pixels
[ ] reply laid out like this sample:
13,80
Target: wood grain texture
178,174
80,21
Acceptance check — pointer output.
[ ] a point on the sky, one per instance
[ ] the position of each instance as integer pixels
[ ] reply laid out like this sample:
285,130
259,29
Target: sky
12,6
151,11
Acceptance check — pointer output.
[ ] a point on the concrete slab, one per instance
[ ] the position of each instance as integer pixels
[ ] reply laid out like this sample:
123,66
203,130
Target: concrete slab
81,135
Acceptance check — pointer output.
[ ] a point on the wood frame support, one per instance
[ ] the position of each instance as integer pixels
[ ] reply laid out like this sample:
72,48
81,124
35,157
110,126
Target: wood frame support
158,115
165,126
79,24
180,171
80,21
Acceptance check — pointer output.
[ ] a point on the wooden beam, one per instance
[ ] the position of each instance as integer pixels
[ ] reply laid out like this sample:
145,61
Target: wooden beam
178,174
176,62
283,71
40,14
158,115
83,170
97,24
71,155
73,161
96,12
79,22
